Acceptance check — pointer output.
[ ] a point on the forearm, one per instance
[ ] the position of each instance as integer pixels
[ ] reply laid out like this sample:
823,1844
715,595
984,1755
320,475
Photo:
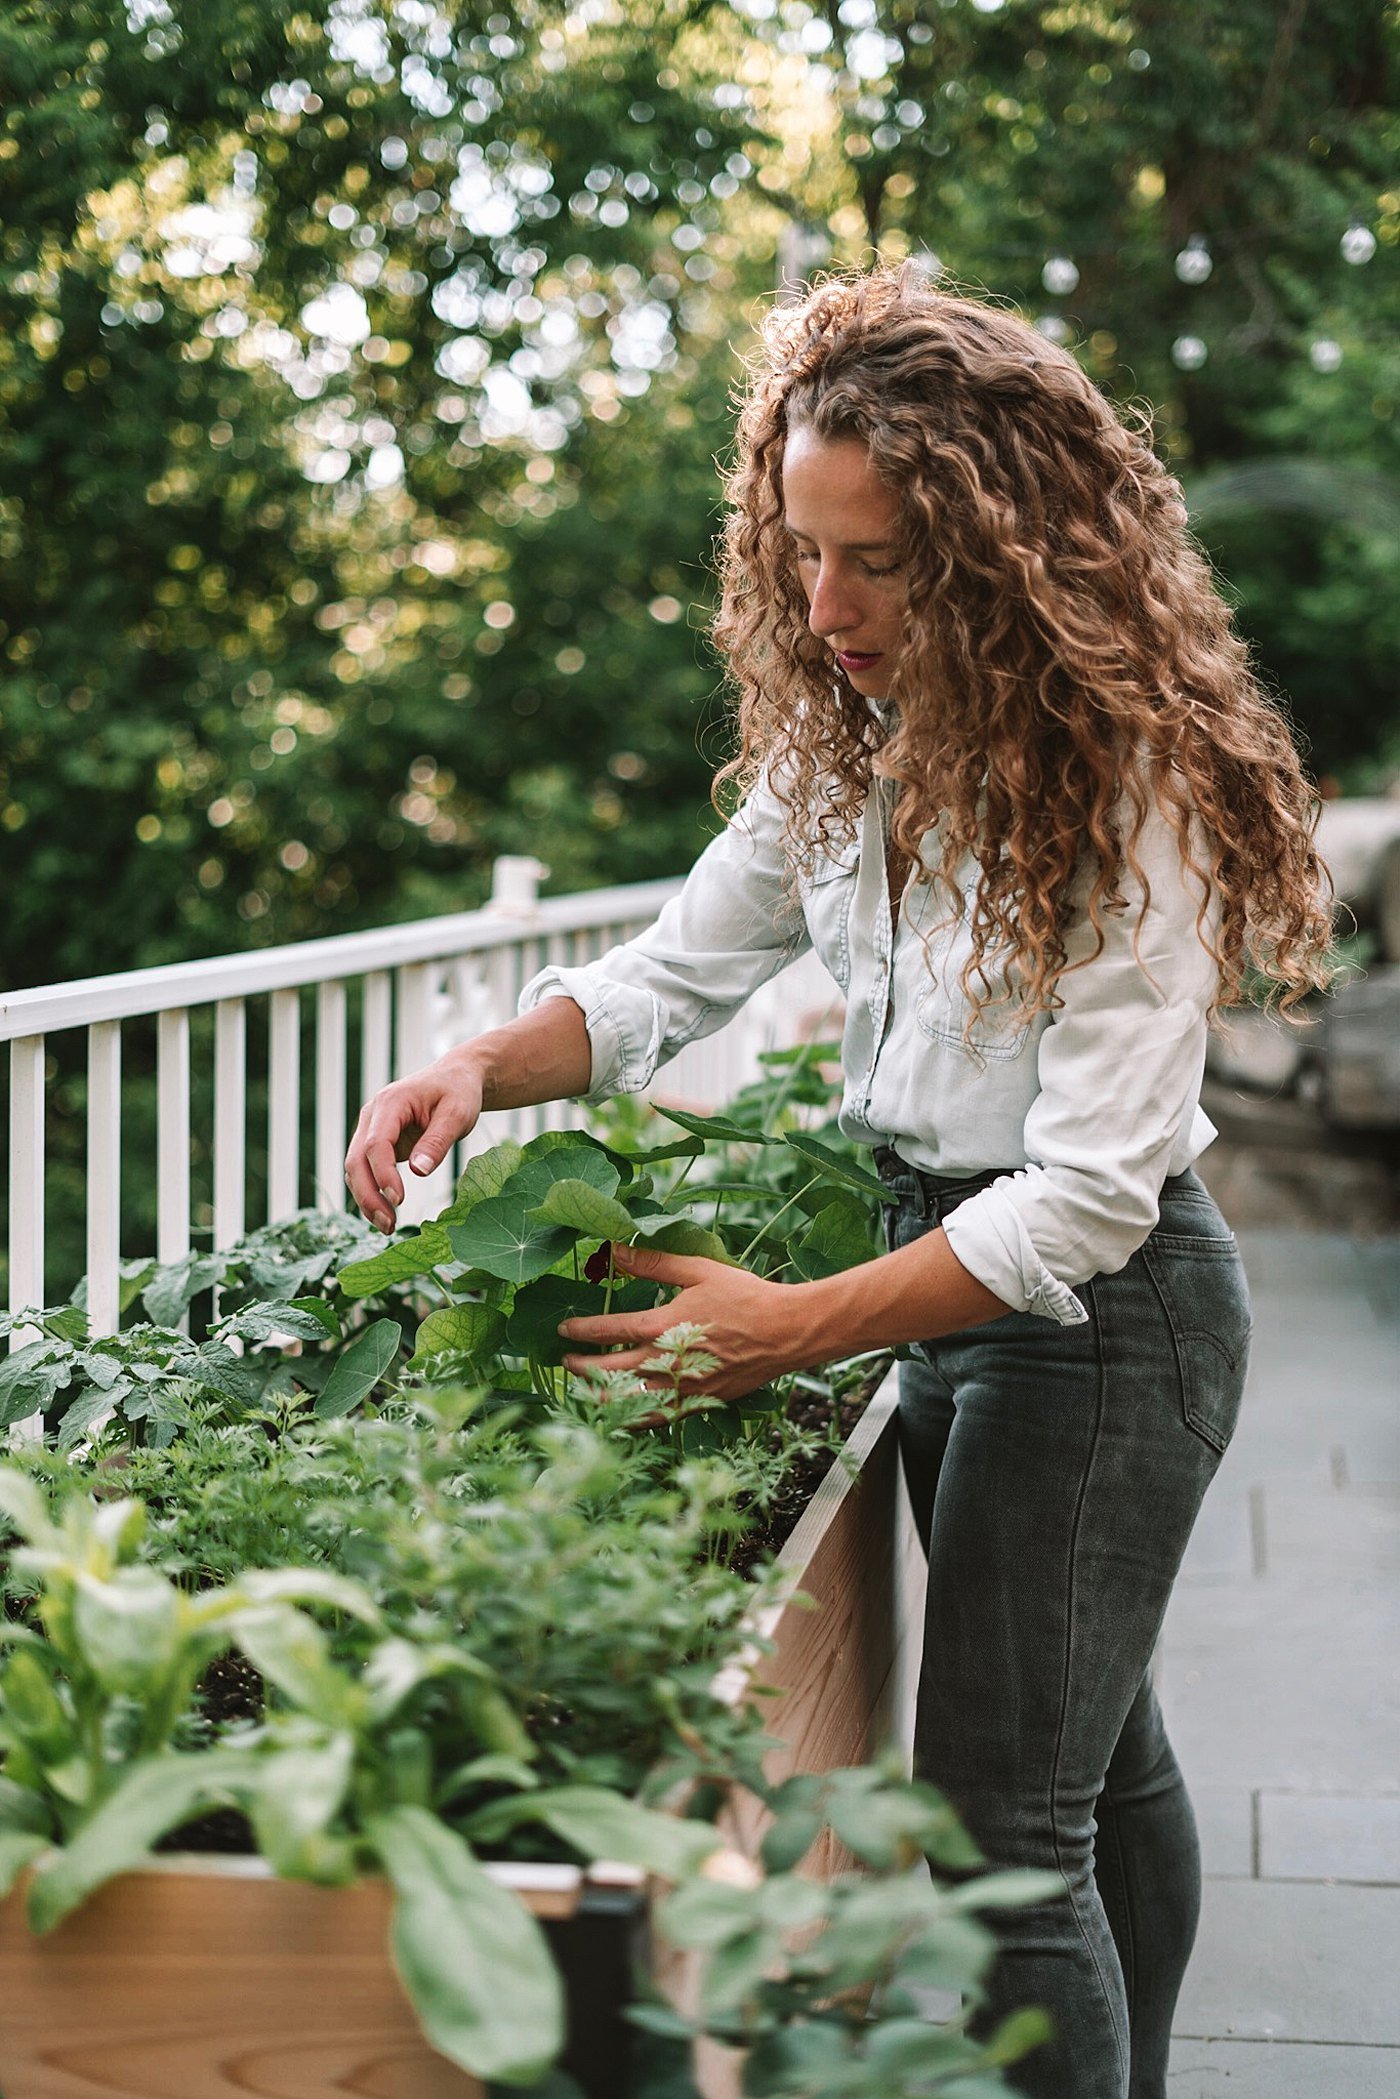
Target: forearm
544,1055
915,1294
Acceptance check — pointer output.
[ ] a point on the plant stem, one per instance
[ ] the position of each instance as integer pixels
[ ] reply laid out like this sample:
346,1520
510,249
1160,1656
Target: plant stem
765,1229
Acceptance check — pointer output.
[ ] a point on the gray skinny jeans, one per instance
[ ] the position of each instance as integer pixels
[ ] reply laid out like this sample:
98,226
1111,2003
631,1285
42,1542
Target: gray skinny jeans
1055,1473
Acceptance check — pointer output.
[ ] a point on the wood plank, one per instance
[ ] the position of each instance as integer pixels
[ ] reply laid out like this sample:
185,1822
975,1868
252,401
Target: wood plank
218,1982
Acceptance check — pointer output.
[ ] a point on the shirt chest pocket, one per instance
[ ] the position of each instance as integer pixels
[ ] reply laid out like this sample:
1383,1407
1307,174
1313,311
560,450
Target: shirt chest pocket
827,896
940,952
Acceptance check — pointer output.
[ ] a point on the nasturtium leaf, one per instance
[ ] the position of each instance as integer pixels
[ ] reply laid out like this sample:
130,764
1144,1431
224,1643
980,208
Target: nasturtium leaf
398,1263
839,1238
682,1236
539,1307
571,1140
579,1207
714,1129
683,1148
473,1960
837,1168
359,1370
319,1308
473,1329
483,1177
499,1239
531,1183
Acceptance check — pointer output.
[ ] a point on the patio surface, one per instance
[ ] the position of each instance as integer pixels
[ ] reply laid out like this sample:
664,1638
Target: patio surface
1281,1684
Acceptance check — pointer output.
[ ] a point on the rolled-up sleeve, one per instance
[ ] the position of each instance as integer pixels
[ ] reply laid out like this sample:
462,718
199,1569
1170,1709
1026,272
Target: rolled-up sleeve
1119,1069
731,927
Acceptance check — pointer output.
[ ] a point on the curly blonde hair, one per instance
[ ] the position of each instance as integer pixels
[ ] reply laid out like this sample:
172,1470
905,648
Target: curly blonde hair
1066,658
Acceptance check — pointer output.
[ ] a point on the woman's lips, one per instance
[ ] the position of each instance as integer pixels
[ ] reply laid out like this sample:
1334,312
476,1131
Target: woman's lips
854,660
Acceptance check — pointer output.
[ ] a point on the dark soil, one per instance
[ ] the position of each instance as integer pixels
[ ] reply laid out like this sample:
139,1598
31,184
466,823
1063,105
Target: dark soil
809,1411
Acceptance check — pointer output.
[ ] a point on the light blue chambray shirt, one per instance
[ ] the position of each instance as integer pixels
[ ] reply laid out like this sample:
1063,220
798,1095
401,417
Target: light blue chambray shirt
1088,1108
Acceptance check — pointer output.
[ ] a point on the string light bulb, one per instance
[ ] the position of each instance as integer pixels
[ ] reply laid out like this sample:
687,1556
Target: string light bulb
1194,263
1189,353
1325,355
1358,243
1059,275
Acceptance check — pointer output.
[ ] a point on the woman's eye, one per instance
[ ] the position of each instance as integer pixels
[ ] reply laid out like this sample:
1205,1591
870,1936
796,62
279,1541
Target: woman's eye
892,570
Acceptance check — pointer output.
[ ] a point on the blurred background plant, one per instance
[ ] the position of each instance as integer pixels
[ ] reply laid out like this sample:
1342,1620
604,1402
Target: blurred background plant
362,368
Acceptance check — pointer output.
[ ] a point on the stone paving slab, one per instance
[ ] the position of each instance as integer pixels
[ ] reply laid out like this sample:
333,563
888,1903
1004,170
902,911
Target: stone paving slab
1295,1961
1226,1826
1280,2070
1283,1683
1310,1836
1277,1677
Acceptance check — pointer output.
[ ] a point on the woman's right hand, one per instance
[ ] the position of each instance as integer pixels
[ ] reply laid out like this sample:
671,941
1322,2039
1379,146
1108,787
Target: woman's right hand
419,1119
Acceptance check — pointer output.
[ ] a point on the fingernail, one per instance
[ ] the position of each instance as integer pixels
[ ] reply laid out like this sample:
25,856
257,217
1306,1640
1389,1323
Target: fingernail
421,1163
563,1332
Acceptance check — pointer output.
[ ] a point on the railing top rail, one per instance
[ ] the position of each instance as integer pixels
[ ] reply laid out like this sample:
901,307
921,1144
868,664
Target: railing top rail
127,994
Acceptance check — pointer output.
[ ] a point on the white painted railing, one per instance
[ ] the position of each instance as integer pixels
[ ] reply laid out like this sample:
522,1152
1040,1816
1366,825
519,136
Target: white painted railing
419,987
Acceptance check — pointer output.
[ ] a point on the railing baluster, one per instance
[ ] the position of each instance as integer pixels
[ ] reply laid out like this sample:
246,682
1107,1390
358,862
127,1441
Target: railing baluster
173,1134
375,1033
104,1168
230,1120
26,1180
414,986
283,1103
331,1132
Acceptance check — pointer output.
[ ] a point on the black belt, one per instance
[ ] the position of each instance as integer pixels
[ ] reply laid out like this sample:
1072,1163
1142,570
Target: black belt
932,1194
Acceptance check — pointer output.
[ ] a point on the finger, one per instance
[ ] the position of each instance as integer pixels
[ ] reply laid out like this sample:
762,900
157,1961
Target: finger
613,1327
661,1267
437,1140
630,1359
379,1157
361,1182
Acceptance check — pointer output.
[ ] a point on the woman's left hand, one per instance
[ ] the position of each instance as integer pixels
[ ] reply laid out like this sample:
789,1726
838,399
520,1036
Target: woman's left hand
756,1329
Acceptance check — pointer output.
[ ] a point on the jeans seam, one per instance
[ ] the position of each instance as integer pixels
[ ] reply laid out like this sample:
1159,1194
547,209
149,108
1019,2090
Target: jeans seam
1089,1947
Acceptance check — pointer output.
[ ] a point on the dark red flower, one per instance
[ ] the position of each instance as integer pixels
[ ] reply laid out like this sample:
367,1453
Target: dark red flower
598,1266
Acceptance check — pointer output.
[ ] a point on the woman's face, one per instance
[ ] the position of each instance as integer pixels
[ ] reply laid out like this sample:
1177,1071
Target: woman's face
844,524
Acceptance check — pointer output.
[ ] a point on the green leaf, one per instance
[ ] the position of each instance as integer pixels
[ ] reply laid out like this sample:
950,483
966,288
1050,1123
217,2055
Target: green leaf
603,1825
483,1177
292,1652
714,1129
321,1309
398,1263
261,1321
578,1206
683,1148
23,1502
128,1628
682,1236
531,1183
532,1329
1012,1888
473,1960
299,1793
298,1585
838,1238
838,1168
152,1797
69,1322
359,1370
17,1850
474,1330
497,1238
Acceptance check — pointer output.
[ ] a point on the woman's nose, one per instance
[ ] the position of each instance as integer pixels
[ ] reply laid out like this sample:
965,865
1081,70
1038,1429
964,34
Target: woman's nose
831,610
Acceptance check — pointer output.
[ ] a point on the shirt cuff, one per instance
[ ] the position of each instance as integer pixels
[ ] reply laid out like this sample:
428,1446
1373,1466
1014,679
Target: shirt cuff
624,1026
988,1237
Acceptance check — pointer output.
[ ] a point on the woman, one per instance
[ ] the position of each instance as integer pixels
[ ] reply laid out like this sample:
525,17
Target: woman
1008,770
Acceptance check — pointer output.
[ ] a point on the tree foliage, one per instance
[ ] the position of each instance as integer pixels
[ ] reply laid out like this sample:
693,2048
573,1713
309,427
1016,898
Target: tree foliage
362,369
